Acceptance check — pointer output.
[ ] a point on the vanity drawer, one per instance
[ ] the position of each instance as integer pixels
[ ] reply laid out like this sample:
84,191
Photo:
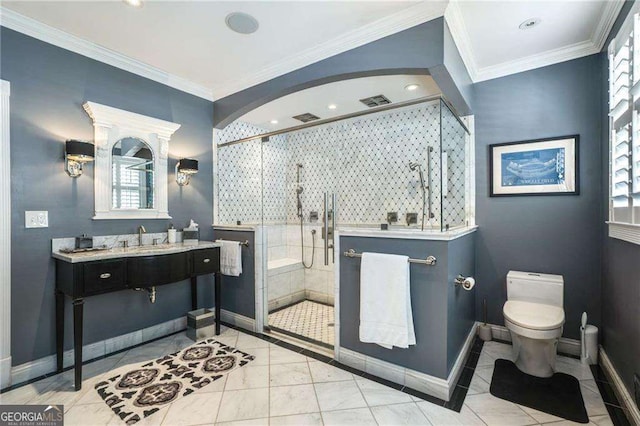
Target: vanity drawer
206,261
100,277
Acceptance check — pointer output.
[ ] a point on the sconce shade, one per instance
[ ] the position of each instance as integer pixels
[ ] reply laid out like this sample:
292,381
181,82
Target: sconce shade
188,166
79,151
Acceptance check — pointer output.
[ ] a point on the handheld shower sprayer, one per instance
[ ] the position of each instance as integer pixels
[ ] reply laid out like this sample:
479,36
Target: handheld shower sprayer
299,190
300,215
413,166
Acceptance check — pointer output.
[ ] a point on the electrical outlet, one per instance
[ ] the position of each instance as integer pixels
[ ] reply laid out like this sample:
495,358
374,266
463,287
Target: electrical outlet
36,219
636,388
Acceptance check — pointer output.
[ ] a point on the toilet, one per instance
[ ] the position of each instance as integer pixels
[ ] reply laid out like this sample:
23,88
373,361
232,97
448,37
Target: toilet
534,315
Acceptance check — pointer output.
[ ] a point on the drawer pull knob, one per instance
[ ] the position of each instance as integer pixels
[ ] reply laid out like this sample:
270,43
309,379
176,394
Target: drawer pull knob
207,260
105,275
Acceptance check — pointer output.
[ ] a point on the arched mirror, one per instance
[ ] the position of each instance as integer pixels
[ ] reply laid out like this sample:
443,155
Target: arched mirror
132,175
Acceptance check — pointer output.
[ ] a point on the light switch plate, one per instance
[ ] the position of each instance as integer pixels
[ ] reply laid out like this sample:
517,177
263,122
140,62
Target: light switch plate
36,219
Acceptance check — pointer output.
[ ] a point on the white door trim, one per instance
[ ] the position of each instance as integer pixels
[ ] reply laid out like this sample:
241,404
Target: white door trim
5,238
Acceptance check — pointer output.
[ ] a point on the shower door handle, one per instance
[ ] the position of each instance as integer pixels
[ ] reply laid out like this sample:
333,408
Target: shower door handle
334,213
325,224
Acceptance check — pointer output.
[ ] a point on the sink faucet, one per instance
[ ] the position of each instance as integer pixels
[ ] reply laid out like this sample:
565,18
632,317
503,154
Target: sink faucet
141,231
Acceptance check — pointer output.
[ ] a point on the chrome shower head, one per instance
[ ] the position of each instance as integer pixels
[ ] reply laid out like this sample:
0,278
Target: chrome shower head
413,166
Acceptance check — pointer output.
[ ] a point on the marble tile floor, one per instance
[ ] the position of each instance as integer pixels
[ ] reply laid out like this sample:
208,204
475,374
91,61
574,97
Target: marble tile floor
284,387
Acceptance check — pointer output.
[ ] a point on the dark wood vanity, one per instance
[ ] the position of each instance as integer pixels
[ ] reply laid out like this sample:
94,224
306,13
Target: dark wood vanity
80,276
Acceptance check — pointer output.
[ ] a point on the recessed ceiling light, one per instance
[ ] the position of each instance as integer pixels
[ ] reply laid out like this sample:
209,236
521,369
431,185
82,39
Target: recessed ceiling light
529,23
274,121
134,3
332,106
411,87
242,23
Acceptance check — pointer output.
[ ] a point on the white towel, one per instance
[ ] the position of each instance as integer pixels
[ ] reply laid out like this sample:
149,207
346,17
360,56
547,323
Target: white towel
385,301
230,258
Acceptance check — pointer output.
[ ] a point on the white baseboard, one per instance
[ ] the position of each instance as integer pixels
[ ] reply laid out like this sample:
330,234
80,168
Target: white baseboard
566,345
39,367
238,320
431,385
620,389
5,372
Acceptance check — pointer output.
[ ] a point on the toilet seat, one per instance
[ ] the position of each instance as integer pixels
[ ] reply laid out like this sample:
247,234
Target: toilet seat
533,316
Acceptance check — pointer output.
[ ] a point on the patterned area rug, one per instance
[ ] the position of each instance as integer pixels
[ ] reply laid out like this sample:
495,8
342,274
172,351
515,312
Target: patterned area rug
143,390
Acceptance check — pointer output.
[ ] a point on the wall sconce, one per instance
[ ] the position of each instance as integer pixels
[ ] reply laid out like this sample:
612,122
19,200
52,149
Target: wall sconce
184,169
77,153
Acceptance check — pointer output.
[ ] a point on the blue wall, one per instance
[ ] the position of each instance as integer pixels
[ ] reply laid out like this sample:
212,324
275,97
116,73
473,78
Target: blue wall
423,49
550,234
443,315
48,87
239,293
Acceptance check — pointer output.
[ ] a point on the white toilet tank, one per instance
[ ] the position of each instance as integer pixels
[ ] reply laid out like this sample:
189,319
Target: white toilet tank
536,288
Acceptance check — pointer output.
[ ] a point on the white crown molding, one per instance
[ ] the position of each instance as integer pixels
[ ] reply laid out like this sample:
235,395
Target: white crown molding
610,12
458,29
594,44
527,63
422,12
48,34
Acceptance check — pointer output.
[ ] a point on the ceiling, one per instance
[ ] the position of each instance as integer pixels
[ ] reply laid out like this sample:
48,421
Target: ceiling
492,45
189,39
345,95
187,45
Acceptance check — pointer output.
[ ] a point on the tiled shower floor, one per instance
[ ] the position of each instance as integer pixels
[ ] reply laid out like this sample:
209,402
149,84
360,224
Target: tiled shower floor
310,320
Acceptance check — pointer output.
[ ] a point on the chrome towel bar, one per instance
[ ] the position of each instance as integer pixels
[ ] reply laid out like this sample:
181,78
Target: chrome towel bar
430,260
242,243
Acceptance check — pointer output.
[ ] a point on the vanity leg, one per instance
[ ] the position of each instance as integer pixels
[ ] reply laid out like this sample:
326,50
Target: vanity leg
59,330
218,278
194,293
77,341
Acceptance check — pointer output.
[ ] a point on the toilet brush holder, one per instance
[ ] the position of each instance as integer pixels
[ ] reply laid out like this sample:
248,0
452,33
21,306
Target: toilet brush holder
484,332
484,329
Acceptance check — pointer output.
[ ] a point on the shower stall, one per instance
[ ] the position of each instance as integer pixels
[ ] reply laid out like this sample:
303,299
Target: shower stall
401,168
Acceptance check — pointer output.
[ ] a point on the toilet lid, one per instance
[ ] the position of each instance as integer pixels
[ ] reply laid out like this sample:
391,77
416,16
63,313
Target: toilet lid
535,316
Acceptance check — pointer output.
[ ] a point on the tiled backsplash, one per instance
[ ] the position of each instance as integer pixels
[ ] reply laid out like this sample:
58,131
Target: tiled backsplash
112,241
364,161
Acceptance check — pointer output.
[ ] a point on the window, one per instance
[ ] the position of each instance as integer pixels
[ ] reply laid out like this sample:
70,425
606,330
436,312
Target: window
130,185
624,125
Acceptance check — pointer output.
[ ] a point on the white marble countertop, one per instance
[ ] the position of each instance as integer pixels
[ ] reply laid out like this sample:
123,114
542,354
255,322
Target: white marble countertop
406,234
134,251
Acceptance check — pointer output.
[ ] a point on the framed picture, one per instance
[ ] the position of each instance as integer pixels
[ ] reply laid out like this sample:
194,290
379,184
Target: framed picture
535,167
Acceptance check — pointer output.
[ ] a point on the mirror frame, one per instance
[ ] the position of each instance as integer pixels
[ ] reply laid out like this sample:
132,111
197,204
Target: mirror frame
112,124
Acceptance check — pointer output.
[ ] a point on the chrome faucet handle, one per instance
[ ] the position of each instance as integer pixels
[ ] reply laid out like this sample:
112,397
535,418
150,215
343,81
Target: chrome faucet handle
155,241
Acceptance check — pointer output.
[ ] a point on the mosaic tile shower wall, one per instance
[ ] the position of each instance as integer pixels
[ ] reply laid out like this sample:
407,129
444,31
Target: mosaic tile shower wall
453,148
364,160
242,169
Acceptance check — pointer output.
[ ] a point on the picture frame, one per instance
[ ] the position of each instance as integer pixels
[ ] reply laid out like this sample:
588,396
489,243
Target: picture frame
548,166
